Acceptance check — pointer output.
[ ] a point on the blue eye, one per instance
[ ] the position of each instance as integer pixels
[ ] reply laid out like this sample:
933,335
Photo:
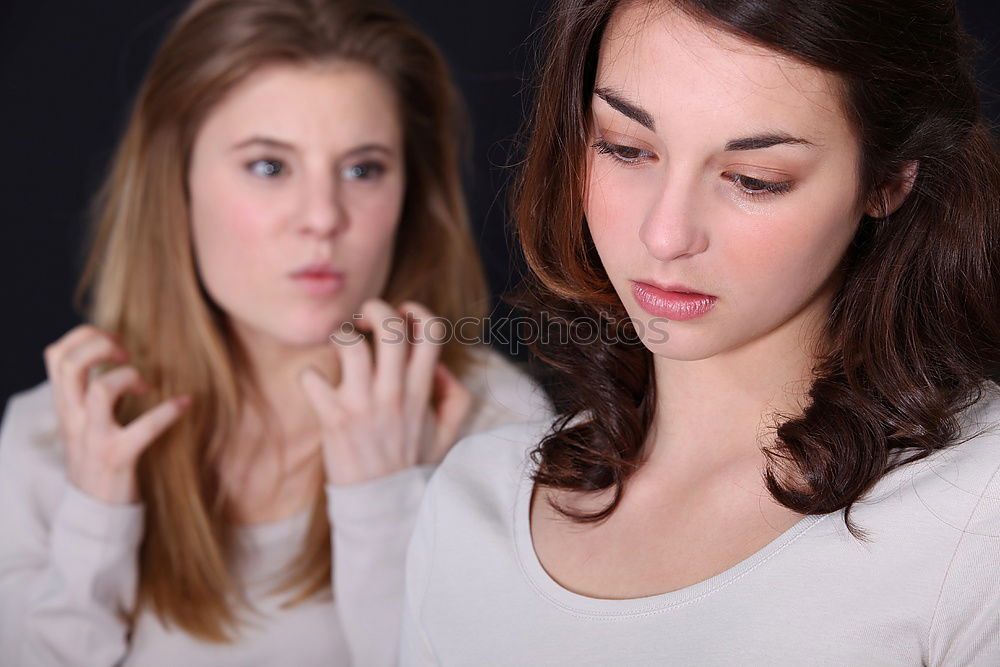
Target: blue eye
364,171
266,168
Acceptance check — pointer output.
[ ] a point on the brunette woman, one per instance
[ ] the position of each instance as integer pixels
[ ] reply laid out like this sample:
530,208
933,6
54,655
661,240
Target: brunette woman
787,214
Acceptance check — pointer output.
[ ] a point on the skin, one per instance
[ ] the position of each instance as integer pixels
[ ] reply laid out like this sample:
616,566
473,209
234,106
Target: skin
672,203
100,453
332,200
319,177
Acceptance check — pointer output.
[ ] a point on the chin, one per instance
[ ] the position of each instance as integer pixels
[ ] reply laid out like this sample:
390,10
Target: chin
683,345
308,331
679,353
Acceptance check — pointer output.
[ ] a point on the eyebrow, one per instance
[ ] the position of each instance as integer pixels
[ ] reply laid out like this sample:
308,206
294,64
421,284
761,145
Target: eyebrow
632,110
767,140
270,142
626,108
263,141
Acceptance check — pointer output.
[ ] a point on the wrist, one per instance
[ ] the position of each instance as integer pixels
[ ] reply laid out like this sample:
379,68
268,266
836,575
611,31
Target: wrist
116,489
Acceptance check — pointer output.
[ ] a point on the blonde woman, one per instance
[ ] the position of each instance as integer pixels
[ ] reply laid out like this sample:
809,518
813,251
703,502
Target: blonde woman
205,479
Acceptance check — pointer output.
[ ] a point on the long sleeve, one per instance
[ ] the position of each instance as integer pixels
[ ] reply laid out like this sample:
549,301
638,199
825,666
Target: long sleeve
414,648
371,525
68,562
966,626
373,521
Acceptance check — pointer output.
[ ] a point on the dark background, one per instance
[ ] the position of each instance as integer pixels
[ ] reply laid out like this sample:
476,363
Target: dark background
68,72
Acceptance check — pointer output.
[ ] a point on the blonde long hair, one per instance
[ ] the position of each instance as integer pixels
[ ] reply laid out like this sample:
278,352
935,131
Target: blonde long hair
141,280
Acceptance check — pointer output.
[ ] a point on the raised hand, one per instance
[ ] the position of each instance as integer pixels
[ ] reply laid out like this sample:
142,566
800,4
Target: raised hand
401,409
101,454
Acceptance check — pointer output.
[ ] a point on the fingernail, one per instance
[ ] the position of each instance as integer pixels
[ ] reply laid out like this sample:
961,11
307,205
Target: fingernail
183,401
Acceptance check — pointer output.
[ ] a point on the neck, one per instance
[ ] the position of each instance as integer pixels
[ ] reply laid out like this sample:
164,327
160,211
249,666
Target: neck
719,411
274,368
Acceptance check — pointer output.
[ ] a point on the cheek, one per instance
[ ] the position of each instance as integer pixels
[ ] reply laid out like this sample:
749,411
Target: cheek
375,218
230,232
789,256
610,208
379,215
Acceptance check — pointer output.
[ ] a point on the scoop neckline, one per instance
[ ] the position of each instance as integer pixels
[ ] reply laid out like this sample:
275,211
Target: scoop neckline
278,529
575,603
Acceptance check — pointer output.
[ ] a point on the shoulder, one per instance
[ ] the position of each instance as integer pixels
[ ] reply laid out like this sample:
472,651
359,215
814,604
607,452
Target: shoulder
963,491
32,463
505,446
502,392
30,425
491,464
962,472
956,488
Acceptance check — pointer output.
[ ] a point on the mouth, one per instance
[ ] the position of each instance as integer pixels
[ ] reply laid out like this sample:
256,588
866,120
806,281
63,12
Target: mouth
318,279
673,302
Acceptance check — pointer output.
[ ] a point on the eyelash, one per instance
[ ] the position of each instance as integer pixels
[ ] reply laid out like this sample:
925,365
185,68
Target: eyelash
762,188
615,152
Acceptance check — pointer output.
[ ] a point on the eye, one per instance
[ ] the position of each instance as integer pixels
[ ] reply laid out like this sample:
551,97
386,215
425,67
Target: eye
756,187
624,154
364,171
266,168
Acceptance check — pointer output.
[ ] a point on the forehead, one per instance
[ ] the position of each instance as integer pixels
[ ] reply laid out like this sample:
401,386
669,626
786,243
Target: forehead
309,103
689,74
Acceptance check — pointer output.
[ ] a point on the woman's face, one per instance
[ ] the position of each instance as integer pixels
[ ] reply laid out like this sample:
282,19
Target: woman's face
721,168
296,189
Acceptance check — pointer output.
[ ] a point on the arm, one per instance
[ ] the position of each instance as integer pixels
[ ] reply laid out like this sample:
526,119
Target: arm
67,561
965,629
504,394
384,426
371,525
414,646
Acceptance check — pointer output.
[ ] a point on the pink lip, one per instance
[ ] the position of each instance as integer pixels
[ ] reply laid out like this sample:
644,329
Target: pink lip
318,279
674,302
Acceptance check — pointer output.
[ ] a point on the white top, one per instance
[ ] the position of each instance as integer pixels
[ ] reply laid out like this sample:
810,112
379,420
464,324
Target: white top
67,561
924,591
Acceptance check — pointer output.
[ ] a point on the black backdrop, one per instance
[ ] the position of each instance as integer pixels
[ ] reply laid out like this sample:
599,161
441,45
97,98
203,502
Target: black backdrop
68,71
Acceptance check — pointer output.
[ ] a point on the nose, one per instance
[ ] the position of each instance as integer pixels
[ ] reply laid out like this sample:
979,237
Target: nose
673,226
322,212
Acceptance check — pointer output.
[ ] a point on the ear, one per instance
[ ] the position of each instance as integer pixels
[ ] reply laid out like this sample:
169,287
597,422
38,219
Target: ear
892,195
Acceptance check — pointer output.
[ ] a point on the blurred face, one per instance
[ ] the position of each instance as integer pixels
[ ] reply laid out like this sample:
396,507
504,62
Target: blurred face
722,183
296,189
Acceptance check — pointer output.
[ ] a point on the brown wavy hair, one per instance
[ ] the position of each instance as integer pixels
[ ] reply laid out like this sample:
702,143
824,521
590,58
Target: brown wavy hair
143,285
914,331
